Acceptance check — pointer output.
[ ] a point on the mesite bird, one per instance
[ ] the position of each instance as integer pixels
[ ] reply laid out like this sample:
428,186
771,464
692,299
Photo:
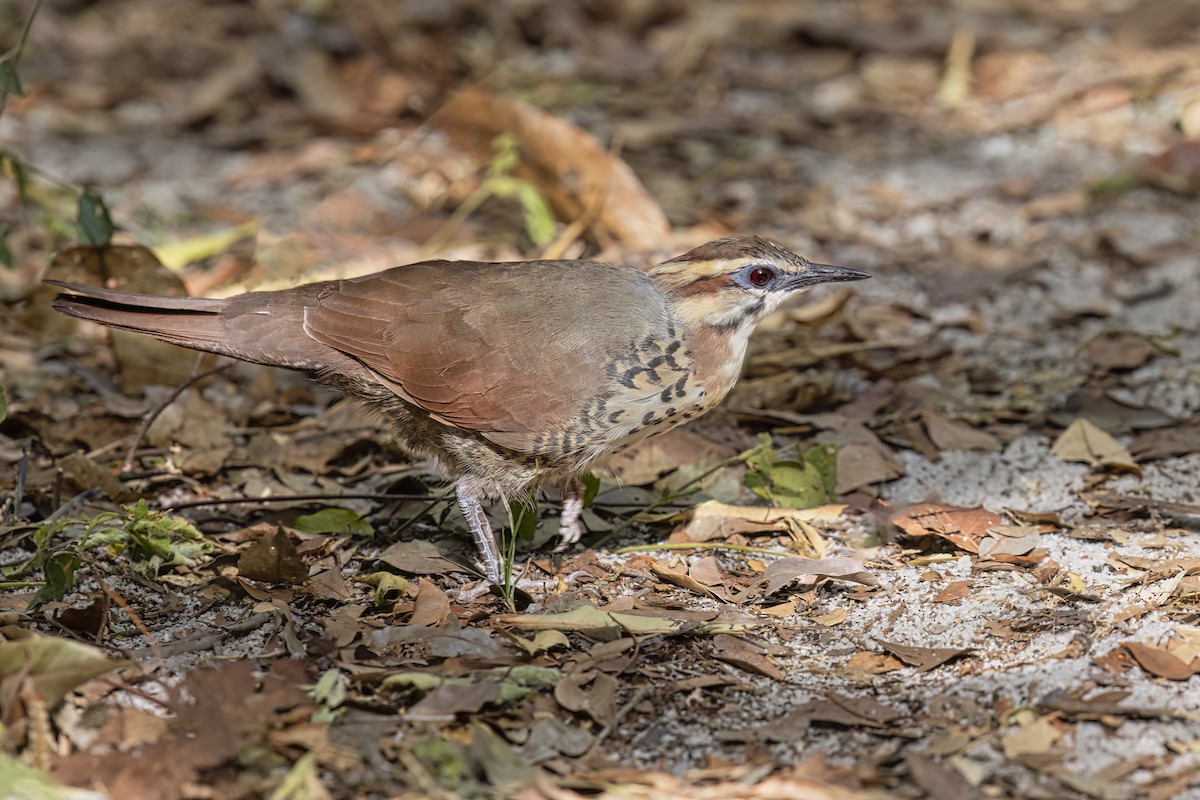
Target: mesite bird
510,375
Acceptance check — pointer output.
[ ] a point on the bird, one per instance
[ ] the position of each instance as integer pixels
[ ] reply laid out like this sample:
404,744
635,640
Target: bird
511,376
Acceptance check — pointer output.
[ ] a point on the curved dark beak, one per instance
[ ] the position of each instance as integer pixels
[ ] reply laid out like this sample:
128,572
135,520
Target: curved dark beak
824,273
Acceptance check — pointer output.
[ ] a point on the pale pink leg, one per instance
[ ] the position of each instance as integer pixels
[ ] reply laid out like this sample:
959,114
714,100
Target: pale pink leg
570,527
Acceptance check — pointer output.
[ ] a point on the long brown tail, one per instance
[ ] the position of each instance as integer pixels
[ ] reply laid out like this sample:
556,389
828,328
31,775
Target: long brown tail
261,327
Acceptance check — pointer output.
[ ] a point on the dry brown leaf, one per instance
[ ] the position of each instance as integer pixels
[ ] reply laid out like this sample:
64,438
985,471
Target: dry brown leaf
953,593
599,702
835,617
873,663
684,581
567,163
1159,662
939,781
713,520
273,558
649,460
923,658
1083,441
952,434
781,610
810,570
432,605
1009,540
965,527
1035,738
1119,351
740,653
707,571
766,514
861,464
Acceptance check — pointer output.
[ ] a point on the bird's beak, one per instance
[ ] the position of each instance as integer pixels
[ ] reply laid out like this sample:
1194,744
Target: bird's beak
824,273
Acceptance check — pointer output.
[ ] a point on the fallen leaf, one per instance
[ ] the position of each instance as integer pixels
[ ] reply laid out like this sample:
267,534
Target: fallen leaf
574,171
953,593
1011,540
810,570
604,623
1083,441
965,527
683,581
740,653
1159,662
949,434
923,658
432,606
599,702
873,663
1119,351
273,557
56,666
1035,738
939,781
835,617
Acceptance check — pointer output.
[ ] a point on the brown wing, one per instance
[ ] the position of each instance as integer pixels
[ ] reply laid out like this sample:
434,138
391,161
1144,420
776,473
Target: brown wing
508,350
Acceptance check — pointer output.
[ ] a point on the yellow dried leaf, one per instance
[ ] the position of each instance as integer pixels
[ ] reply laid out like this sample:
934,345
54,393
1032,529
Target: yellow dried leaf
1082,441
766,514
835,617
1035,738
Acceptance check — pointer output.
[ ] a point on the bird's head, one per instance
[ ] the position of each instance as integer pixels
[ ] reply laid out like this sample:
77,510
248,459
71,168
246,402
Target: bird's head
728,283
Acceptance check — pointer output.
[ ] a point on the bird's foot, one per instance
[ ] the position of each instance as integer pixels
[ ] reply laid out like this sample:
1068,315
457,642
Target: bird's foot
481,532
570,526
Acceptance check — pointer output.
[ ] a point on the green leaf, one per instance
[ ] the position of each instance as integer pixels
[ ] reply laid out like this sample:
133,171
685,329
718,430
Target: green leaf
20,174
10,79
539,219
524,518
59,570
389,587
506,155
334,520
591,487
794,483
6,256
92,220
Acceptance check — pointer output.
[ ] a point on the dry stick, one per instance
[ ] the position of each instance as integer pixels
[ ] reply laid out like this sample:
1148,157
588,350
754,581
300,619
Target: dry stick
137,440
733,548
621,714
207,640
591,211
13,54
133,615
299,498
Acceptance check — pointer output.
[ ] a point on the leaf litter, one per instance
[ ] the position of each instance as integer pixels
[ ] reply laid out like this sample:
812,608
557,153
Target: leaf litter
996,595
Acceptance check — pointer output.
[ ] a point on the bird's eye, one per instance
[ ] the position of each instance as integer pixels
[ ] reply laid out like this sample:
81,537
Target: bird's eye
761,276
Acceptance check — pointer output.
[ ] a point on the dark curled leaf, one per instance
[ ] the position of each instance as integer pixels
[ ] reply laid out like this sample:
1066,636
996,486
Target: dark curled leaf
6,256
10,79
92,220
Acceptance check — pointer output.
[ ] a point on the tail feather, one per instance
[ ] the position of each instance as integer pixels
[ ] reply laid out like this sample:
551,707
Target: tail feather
188,321
260,327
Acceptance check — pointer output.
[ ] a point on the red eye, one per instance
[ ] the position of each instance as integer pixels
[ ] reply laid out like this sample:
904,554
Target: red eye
761,276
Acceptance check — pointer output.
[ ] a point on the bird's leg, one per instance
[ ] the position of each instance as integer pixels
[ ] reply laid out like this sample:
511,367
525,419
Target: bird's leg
481,532
570,527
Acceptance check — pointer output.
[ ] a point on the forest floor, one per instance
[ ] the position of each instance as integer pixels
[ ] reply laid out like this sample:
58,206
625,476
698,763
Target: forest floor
225,585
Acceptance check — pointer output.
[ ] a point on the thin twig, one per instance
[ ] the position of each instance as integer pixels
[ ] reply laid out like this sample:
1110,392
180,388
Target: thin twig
137,439
13,54
205,641
733,548
133,616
